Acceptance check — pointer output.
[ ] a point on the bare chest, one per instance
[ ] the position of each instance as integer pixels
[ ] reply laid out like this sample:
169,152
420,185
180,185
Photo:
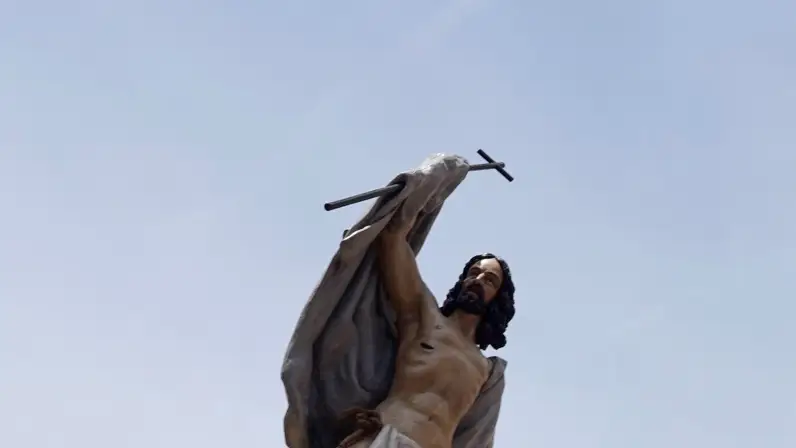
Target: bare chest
441,369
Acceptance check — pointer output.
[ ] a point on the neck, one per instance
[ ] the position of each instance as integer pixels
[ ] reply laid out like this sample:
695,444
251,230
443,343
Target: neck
467,323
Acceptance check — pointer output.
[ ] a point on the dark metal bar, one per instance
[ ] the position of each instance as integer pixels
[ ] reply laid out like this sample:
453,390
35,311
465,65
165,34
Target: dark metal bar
334,205
486,166
379,192
500,169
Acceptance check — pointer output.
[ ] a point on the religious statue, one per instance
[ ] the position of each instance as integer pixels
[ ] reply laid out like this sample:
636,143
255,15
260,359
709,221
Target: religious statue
374,361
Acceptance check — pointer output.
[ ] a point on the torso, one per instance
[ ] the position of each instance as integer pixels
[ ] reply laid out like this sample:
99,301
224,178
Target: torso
439,374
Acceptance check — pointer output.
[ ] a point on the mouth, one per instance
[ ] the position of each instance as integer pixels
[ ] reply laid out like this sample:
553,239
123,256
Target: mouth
471,301
475,288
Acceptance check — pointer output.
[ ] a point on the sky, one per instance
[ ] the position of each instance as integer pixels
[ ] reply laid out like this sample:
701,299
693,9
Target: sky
163,167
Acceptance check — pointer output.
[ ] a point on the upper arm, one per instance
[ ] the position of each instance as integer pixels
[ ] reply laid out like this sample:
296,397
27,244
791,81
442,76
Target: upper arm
401,276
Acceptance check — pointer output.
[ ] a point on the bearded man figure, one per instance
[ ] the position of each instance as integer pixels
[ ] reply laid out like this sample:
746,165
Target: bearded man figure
431,386
440,368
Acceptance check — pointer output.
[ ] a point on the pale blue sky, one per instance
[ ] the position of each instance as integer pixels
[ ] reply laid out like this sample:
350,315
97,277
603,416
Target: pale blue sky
163,166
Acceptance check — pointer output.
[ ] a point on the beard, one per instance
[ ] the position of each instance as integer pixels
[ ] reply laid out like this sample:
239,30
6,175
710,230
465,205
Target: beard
471,299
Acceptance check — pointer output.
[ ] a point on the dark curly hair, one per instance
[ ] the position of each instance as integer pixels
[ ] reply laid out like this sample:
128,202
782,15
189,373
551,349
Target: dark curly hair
492,328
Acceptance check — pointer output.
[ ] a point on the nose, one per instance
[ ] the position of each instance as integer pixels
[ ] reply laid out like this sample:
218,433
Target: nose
477,279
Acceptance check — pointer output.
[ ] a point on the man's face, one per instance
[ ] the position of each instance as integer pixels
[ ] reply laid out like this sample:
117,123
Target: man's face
484,278
480,286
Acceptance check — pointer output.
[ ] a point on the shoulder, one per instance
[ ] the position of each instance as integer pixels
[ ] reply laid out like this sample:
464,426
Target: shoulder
428,303
497,372
425,301
422,311
498,363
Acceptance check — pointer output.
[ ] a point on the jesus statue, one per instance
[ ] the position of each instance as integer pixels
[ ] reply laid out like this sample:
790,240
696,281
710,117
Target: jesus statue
437,389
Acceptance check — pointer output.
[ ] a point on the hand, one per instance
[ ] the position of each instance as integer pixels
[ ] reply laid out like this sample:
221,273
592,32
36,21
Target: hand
429,186
403,220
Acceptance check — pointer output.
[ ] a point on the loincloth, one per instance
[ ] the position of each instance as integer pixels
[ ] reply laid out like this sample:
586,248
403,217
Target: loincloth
365,425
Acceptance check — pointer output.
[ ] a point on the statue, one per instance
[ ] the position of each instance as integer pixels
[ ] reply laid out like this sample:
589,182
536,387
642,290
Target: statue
374,361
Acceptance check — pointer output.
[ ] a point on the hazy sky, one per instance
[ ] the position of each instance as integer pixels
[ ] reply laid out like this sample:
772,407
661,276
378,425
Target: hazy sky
163,166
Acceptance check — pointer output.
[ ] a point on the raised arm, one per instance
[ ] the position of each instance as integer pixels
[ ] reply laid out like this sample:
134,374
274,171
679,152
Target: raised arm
401,275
